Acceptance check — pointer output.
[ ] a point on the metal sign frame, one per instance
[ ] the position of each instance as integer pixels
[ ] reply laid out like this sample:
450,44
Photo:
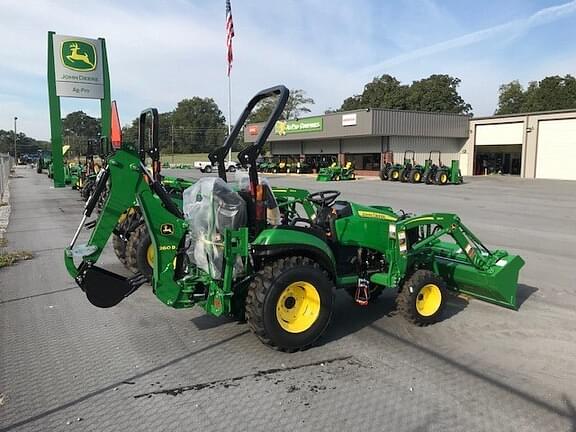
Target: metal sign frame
55,111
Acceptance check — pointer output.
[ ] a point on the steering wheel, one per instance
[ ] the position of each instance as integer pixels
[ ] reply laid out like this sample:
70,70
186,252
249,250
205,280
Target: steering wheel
324,198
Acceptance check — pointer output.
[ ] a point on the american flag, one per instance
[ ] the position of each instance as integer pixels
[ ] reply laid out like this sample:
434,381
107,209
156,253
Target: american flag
229,34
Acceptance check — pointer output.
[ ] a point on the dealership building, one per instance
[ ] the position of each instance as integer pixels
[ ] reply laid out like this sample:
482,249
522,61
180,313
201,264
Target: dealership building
533,145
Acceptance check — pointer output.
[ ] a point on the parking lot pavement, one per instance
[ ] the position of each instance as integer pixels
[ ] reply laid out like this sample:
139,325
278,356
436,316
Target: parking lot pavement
65,365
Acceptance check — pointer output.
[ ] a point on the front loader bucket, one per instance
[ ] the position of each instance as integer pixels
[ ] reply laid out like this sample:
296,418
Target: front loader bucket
498,284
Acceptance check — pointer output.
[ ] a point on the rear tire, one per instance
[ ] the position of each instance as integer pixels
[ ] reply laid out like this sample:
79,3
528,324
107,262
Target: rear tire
441,178
423,298
415,176
289,303
404,175
231,169
138,251
207,169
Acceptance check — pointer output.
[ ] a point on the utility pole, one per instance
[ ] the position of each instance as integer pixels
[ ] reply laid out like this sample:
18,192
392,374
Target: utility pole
15,155
172,138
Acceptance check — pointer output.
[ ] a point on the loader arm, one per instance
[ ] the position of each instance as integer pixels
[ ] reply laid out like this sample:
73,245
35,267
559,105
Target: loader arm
466,264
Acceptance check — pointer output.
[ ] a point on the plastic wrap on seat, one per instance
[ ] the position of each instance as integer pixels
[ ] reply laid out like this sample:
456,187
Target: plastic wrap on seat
210,207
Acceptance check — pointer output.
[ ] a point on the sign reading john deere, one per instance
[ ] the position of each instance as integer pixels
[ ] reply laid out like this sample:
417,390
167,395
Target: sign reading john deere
78,67
310,124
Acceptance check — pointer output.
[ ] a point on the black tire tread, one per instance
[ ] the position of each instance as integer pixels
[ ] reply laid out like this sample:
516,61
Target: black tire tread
257,294
132,246
404,300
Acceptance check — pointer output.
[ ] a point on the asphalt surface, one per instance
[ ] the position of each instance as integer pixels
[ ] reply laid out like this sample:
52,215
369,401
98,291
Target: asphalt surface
68,366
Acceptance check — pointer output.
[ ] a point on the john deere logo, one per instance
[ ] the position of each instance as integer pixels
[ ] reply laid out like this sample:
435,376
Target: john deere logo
167,229
280,128
79,56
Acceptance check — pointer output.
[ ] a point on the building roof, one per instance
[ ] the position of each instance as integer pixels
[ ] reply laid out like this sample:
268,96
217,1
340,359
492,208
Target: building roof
371,122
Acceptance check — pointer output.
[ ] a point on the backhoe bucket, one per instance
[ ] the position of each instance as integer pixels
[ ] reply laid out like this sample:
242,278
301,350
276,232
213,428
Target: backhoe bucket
498,284
103,288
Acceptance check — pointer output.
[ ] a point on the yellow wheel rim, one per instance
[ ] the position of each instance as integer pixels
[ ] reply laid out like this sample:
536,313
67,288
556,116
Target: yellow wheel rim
417,177
443,178
150,255
428,300
395,174
298,307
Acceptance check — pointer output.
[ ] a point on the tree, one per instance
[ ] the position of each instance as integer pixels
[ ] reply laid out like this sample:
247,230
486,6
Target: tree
24,144
383,92
551,93
199,125
435,93
296,105
80,124
511,98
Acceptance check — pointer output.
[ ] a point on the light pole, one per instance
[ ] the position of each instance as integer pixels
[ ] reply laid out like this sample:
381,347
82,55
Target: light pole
15,156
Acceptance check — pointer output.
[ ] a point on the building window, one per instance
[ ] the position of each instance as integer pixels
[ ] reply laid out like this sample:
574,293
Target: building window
366,161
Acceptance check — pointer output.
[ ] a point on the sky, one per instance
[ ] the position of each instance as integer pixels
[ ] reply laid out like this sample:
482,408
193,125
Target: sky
161,52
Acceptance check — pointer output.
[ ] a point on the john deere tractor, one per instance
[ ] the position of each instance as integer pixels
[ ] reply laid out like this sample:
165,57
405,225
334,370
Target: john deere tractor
441,174
231,251
337,172
401,172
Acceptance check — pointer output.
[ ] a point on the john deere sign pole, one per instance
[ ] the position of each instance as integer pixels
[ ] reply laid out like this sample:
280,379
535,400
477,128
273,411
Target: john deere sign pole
77,67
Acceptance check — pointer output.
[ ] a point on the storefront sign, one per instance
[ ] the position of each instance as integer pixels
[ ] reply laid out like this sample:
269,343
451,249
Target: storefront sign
78,67
311,124
349,119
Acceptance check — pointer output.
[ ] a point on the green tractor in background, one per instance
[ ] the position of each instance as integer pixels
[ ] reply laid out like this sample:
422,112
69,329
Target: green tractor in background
337,172
302,167
400,172
441,174
44,160
231,251
387,164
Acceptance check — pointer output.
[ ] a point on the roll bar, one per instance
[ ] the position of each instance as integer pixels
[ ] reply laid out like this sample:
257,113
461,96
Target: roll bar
248,155
154,150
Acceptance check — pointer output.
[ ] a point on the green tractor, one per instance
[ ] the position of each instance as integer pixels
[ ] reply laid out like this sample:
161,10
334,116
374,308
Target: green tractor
441,174
400,172
225,252
337,172
302,167
387,164
416,173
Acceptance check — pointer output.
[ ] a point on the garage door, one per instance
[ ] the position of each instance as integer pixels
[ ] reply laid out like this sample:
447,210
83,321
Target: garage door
556,149
499,134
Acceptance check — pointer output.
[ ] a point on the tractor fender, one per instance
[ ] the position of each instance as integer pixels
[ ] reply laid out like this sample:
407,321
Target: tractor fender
295,241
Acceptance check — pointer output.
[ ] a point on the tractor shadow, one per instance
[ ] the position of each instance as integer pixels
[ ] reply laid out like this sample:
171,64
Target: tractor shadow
524,293
350,317
207,322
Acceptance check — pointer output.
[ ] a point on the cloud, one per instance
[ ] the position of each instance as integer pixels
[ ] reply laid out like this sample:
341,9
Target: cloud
515,28
162,52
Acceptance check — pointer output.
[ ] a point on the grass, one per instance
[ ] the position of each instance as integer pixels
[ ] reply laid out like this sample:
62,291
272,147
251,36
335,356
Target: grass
189,158
9,258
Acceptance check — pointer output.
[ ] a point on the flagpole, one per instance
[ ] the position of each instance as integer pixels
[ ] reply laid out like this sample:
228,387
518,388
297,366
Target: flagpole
229,113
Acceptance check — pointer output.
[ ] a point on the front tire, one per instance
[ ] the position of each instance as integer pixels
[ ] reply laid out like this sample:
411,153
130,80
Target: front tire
394,174
423,298
289,303
207,169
